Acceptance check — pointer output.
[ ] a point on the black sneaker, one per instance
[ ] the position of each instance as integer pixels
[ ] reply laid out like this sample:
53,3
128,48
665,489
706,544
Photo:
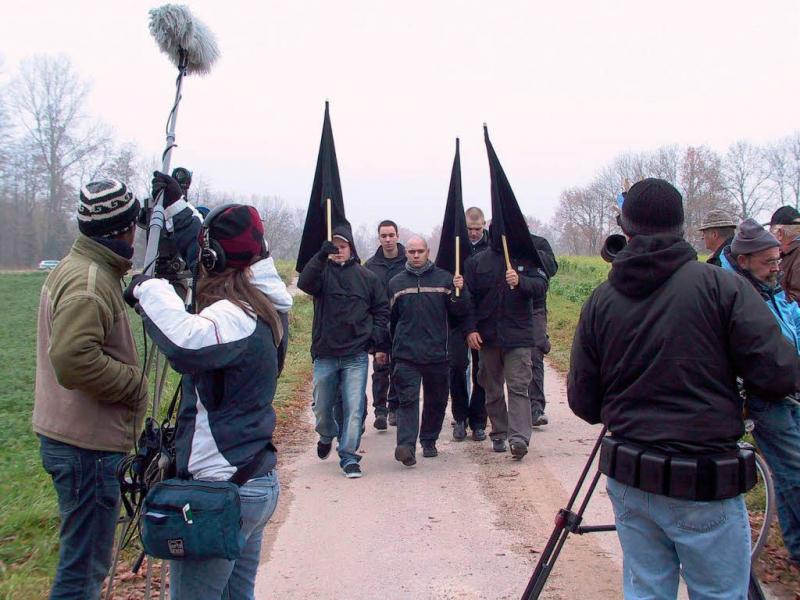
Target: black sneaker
518,450
499,445
478,435
392,418
429,450
323,449
405,455
352,471
538,418
380,423
460,431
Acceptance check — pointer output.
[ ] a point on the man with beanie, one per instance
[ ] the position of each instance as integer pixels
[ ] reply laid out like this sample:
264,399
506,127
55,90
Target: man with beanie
351,314
90,395
423,301
785,226
755,255
389,260
717,229
655,358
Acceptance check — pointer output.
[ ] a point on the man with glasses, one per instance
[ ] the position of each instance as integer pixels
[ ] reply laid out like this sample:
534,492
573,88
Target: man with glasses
755,255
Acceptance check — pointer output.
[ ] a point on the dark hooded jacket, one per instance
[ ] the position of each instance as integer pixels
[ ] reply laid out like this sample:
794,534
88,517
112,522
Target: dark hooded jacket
502,316
351,310
422,301
386,268
659,345
480,246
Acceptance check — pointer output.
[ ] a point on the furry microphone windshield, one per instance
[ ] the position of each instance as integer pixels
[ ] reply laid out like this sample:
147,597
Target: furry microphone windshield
175,29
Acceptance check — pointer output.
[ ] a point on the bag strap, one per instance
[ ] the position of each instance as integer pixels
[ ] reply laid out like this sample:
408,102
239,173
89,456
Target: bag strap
245,473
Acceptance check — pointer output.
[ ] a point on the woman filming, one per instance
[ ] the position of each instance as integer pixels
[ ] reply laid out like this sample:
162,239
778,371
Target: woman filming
229,356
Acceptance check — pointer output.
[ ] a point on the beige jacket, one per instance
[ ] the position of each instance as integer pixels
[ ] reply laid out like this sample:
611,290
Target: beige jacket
89,387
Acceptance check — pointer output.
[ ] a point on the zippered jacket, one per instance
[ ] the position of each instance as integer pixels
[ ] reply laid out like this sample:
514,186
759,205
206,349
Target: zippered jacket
421,305
351,310
502,316
386,268
659,346
90,391
229,363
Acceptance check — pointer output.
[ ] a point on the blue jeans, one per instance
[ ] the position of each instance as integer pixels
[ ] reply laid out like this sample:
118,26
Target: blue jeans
230,579
348,375
660,537
777,433
88,502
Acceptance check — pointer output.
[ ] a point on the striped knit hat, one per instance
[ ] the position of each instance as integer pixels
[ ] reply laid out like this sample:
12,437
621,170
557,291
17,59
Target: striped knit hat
106,208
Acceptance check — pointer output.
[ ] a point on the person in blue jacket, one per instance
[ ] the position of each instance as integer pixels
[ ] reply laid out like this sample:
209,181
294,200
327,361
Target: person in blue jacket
229,356
755,255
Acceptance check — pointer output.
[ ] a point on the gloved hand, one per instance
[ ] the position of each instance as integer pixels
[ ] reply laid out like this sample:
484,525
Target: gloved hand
127,295
172,189
327,249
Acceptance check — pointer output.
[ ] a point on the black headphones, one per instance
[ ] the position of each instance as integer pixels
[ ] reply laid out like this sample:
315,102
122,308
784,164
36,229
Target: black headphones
212,255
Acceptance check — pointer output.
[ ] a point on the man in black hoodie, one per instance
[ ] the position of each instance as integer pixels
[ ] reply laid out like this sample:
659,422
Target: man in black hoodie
351,314
389,260
655,358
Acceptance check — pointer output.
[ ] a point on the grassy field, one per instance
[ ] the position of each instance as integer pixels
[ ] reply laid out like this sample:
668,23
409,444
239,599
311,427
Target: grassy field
576,278
28,512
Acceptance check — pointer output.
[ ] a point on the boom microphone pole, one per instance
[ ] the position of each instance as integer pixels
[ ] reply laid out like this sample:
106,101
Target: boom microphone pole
192,48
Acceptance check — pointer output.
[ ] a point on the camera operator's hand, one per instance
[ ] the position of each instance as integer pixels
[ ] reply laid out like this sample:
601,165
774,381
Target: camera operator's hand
171,188
327,249
127,295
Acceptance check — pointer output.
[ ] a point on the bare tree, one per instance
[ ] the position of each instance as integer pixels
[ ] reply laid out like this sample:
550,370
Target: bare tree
700,182
49,99
744,175
585,216
778,161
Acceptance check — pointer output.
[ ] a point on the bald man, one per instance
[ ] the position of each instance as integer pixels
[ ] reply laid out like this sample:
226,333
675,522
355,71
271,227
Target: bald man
422,299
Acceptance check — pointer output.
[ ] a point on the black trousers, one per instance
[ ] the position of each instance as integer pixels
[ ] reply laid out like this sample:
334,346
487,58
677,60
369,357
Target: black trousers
536,388
384,396
466,407
407,378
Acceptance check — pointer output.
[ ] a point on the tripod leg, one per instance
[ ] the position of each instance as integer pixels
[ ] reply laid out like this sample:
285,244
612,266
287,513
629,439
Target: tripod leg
128,523
754,591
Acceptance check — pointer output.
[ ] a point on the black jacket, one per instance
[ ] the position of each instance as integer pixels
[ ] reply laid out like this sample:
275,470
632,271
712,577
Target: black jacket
386,268
351,311
480,246
714,258
420,308
503,317
659,345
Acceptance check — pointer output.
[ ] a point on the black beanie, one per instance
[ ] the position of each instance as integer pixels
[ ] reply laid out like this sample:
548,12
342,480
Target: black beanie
106,209
652,206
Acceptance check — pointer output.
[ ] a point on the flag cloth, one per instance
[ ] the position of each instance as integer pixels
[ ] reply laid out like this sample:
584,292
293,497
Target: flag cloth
326,185
454,223
507,218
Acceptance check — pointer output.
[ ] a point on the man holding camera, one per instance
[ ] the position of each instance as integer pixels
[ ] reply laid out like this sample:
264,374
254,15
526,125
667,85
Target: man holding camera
655,358
90,393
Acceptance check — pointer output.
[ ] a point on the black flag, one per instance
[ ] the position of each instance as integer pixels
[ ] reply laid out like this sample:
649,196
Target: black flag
507,218
454,224
326,186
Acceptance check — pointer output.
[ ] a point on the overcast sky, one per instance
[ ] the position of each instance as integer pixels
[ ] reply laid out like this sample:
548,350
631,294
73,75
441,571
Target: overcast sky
564,87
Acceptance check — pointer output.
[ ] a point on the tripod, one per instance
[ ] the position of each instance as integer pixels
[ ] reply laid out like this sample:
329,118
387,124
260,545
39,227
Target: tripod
569,521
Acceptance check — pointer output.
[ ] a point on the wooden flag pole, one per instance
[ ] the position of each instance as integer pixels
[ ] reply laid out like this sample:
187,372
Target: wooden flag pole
505,252
458,262
328,211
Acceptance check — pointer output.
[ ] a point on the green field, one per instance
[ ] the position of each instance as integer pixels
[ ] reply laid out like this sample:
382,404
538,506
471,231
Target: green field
576,278
28,513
